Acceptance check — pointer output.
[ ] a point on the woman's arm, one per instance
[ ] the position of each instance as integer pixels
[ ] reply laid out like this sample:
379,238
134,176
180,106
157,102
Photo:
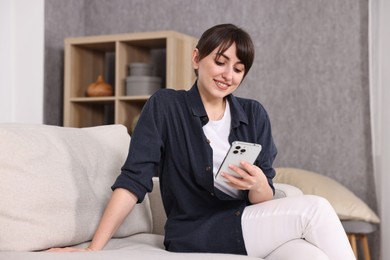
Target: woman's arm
120,205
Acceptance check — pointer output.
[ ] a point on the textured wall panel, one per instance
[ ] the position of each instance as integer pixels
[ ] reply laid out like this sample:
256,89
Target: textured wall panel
62,19
310,70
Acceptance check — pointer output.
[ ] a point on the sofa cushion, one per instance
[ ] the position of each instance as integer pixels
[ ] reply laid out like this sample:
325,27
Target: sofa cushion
136,247
55,183
346,204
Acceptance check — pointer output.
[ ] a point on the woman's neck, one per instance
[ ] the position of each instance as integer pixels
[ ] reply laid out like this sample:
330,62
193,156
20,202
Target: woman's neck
216,109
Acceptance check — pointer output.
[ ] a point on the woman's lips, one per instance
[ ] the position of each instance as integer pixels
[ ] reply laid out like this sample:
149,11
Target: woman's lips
221,85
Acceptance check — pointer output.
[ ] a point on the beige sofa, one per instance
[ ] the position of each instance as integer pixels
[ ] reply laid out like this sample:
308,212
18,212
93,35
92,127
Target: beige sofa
55,183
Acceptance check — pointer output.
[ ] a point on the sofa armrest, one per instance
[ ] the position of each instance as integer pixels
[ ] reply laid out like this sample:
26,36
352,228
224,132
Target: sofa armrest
285,190
158,212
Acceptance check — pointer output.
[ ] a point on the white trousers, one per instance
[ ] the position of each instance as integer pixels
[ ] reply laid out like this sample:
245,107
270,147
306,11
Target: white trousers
268,225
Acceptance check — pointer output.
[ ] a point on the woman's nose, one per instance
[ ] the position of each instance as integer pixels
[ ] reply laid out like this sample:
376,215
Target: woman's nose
227,74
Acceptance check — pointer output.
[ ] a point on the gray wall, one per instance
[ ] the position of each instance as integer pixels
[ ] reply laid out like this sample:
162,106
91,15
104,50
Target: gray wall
310,71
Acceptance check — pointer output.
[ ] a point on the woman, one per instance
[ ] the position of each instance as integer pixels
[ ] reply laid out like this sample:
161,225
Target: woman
184,135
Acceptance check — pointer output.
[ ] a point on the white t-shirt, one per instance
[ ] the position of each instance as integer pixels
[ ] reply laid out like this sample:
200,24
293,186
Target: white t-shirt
217,132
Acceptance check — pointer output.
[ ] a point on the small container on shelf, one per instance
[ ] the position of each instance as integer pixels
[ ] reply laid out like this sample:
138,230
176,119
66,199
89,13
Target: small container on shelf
140,69
141,80
142,85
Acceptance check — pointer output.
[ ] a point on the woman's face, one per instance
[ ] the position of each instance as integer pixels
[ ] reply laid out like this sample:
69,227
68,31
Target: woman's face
219,74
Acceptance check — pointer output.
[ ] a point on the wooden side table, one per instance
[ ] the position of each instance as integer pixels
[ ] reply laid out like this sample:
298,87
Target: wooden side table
357,231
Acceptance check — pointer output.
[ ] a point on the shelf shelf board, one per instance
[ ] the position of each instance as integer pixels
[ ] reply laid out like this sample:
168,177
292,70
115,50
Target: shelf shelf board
92,99
108,99
135,98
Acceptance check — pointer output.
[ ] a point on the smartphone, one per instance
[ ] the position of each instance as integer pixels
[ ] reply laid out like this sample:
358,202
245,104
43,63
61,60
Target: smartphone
239,151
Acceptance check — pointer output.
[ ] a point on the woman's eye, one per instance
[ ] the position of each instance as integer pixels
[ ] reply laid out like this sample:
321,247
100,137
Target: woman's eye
238,70
219,63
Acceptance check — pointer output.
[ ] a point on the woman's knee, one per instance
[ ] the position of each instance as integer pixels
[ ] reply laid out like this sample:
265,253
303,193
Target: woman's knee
318,200
319,205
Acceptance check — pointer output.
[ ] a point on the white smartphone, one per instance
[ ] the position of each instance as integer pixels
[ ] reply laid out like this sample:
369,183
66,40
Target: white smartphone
239,151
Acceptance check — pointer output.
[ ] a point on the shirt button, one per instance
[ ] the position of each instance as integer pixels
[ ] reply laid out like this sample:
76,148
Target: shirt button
237,213
208,168
208,141
212,194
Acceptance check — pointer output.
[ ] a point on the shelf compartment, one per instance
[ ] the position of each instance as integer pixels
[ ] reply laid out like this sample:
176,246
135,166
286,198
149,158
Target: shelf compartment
128,111
88,61
152,51
92,113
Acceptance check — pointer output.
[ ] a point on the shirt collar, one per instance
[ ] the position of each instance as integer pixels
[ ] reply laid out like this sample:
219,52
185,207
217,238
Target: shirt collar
198,110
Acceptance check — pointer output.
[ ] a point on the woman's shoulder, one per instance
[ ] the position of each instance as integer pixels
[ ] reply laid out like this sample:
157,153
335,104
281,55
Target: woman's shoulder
253,109
165,98
166,93
248,103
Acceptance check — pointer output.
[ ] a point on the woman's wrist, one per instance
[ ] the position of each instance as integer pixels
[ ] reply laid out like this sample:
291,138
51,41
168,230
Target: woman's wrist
260,194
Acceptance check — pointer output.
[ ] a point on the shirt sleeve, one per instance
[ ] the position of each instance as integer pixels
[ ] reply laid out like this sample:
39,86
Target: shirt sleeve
144,152
269,151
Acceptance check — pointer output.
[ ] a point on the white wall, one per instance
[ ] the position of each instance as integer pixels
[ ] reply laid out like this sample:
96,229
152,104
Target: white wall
385,126
380,112
21,63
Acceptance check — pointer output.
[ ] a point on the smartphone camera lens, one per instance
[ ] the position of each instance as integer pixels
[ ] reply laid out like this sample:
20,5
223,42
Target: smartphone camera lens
235,151
243,151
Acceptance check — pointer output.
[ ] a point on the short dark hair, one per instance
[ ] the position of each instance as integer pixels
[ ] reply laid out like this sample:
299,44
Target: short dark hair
224,35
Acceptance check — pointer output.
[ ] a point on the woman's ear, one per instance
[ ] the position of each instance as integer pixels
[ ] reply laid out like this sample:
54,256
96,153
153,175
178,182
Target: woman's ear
195,58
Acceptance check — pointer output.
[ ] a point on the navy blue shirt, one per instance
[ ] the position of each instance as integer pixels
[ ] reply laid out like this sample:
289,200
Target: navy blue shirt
169,140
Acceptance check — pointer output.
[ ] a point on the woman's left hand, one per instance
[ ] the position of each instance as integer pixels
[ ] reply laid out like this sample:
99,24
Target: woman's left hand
251,178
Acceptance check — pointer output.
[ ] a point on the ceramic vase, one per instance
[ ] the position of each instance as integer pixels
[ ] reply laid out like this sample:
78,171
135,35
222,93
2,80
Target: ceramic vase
99,88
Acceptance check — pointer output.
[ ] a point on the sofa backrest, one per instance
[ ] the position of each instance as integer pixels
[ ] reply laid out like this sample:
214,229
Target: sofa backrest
55,183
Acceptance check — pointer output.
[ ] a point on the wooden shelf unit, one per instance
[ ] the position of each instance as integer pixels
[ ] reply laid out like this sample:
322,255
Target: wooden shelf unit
109,55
